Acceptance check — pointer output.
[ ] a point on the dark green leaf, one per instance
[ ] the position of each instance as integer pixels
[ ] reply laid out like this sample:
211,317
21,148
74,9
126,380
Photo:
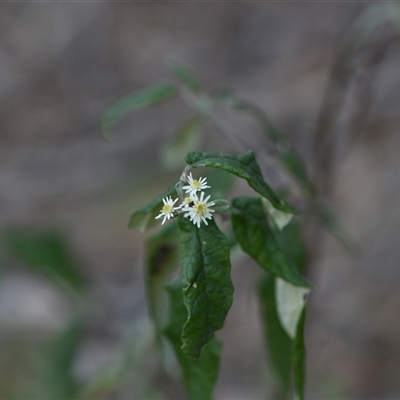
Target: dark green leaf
134,102
185,75
209,292
145,217
291,243
278,342
289,158
162,257
199,375
278,218
48,252
299,353
257,239
245,166
221,182
186,139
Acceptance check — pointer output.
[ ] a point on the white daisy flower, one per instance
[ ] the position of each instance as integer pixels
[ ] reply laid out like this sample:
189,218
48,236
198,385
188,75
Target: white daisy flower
168,209
200,210
195,185
185,202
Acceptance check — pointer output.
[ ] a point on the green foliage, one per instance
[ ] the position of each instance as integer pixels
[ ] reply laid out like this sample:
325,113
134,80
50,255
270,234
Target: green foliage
199,375
266,227
299,353
283,148
162,257
258,240
284,316
244,166
144,217
209,290
278,342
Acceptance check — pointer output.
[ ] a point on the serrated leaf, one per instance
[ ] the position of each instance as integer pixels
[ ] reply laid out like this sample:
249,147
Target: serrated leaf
244,166
206,272
199,375
134,102
257,239
277,340
290,301
48,253
162,256
186,139
185,76
289,158
145,217
299,354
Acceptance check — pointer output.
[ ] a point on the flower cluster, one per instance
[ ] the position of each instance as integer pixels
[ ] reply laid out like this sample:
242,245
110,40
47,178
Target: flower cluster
194,205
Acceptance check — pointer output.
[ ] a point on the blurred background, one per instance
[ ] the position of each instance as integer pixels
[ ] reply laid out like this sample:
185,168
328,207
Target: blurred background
327,74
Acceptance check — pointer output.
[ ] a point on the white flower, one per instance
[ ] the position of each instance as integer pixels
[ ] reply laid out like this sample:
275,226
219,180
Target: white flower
168,209
195,185
185,202
200,210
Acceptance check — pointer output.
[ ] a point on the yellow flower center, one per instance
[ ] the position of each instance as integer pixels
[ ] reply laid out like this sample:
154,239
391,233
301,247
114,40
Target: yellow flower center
187,200
167,208
200,208
196,184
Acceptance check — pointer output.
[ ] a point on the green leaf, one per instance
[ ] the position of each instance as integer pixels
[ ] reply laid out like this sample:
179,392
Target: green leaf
299,354
244,166
185,76
186,139
291,300
134,102
221,183
162,257
199,375
280,218
48,253
206,272
278,342
145,217
285,151
220,205
291,243
257,239
283,306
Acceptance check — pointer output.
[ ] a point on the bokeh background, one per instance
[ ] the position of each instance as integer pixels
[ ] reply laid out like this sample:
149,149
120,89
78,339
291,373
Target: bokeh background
63,64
